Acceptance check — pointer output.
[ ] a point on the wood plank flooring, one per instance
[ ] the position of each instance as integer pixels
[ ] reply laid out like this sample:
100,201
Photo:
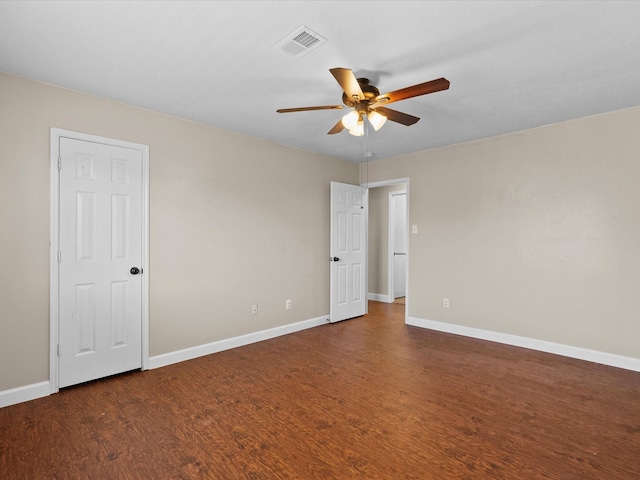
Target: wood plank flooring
369,398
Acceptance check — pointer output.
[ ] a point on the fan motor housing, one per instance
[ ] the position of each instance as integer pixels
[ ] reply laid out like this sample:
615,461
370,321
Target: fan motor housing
370,92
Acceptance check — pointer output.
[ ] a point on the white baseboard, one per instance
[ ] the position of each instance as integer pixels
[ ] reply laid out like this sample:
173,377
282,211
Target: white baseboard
24,394
628,363
43,389
378,297
229,343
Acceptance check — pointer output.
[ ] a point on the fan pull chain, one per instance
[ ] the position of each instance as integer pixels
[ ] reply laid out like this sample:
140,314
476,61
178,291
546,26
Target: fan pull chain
364,161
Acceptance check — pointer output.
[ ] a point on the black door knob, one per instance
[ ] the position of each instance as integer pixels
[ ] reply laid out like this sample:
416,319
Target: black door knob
134,270
336,259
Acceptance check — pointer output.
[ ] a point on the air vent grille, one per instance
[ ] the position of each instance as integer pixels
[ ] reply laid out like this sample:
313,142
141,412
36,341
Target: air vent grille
306,39
300,42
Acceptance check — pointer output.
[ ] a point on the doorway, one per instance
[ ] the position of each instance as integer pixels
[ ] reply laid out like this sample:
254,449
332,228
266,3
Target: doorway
397,250
99,257
388,234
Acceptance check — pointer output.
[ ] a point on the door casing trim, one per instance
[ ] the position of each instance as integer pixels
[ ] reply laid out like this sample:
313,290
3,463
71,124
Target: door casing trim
54,243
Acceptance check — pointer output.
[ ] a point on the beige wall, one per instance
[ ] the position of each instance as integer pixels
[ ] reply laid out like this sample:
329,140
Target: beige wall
535,233
234,221
379,237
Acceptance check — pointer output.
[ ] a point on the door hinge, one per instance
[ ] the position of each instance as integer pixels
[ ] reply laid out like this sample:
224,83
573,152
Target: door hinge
58,350
59,163
59,256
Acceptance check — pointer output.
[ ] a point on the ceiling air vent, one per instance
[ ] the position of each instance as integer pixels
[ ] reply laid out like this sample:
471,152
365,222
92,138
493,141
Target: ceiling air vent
300,42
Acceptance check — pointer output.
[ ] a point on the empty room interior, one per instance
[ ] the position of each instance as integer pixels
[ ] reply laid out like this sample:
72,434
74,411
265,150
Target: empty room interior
320,240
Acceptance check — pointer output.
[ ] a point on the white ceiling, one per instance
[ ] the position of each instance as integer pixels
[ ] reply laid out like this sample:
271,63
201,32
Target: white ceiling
512,65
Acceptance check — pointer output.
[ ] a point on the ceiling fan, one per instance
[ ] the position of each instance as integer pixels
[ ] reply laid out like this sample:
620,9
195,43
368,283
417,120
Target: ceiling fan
367,102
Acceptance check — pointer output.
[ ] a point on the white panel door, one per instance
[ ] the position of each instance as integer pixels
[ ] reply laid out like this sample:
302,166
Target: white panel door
399,205
348,252
101,230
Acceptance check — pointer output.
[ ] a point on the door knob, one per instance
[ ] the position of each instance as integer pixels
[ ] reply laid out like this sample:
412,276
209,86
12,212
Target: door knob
336,259
134,270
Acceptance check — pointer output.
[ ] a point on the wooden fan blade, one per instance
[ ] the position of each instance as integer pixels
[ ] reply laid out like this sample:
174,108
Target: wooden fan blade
337,128
398,117
409,92
305,109
348,82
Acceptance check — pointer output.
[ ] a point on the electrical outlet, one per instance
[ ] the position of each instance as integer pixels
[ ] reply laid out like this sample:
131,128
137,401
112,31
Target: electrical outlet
254,309
445,302
287,304
414,229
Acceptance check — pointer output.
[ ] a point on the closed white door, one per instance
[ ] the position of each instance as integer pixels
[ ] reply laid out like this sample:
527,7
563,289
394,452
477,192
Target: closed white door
348,251
399,206
100,238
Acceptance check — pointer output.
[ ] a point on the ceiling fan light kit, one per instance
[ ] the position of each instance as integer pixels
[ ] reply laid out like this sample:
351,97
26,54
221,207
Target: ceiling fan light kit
351,119
367,102
358,130
354,121
377,120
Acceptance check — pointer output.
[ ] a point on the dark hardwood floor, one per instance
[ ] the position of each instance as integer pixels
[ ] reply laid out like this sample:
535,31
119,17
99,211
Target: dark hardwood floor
367,398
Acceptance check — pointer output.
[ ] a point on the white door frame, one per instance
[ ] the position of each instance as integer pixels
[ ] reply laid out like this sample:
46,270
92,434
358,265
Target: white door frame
391,243
386,183
54,242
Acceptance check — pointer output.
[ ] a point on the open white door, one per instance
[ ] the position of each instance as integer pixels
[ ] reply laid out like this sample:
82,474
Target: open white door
348,251
101,258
